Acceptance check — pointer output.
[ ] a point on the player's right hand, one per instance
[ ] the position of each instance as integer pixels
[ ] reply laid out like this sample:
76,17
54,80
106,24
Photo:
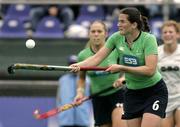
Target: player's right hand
79,97
75,68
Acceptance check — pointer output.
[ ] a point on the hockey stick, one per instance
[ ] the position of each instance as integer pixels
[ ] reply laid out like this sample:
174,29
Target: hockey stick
12,68
65,107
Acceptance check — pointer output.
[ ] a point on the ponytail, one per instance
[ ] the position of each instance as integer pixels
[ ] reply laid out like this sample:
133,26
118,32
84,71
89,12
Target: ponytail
145,24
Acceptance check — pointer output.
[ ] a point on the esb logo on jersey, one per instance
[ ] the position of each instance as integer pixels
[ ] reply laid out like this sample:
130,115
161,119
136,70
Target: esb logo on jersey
130,60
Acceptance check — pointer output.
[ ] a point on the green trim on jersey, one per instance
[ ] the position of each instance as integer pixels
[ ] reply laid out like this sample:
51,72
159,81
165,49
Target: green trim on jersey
143,46
100,79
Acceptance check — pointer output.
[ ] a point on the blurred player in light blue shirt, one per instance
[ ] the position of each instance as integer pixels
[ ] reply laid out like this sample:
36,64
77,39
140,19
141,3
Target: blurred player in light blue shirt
80,116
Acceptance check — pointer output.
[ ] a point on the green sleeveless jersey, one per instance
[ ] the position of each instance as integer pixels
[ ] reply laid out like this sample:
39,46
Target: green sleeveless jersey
144,45
100,79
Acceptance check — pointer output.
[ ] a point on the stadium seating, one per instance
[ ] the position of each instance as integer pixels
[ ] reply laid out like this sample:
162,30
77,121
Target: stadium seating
20,11
89,13
155,24
12,28
114,27
49,27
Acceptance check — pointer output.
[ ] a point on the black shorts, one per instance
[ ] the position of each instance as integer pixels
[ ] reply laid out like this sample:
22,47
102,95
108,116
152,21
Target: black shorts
104,105
148,100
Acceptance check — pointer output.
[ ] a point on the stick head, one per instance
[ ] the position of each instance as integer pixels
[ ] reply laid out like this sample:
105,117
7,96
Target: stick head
36,114
11,69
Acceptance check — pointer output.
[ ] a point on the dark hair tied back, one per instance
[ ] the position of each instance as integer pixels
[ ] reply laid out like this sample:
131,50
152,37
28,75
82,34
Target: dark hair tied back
134,15
145,23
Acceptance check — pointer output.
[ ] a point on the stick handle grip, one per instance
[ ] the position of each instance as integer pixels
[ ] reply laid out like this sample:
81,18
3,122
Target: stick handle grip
93,68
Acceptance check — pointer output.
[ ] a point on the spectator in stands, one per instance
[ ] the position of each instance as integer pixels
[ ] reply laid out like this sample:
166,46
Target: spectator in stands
75,117
62,12
154,11
3,10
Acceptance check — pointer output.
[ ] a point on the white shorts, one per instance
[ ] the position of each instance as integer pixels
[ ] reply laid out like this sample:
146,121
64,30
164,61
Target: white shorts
171,107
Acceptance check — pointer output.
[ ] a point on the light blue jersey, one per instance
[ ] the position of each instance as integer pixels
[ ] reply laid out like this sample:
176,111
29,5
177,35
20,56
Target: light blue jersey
80,115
